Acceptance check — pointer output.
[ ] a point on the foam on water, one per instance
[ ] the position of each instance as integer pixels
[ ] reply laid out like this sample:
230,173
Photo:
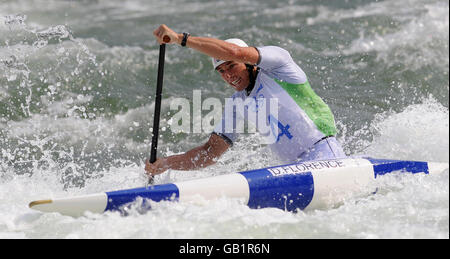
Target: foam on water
420,132
391,213
425,31
404,206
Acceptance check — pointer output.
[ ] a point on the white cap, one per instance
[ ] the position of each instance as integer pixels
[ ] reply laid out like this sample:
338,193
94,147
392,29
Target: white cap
239,42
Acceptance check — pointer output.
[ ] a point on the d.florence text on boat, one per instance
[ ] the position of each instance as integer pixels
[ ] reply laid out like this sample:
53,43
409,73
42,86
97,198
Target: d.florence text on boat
304,128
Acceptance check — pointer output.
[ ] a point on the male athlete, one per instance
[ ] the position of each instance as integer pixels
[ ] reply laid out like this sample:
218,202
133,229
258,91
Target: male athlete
304,128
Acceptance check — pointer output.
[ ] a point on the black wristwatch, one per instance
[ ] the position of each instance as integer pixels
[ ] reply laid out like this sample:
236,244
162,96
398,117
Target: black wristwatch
185,37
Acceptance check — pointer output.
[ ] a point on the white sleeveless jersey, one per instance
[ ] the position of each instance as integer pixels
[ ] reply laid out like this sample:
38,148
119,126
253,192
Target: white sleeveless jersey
282,107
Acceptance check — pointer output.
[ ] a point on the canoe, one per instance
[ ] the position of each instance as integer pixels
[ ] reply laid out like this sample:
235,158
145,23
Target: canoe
299,186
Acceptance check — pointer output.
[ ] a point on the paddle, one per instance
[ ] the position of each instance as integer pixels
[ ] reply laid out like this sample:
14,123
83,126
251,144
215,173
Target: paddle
159,84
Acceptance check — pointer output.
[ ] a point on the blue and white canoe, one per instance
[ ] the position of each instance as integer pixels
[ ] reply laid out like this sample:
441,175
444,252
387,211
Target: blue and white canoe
299,186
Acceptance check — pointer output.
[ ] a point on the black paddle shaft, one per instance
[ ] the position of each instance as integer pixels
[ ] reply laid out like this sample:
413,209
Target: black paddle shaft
159,84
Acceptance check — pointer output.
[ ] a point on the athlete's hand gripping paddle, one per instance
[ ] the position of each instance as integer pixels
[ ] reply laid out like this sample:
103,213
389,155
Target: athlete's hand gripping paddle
159,84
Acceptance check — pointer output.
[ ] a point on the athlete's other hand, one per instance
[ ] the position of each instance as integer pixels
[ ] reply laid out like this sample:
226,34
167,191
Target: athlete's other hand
165,35
158,167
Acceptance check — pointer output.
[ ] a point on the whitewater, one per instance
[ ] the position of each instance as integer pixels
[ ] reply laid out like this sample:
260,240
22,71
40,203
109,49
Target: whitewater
77,81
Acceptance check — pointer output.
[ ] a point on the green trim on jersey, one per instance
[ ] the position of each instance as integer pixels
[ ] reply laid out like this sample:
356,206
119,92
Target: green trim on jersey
316,109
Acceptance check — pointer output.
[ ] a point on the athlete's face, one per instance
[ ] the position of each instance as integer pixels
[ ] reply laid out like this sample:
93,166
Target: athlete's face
235,74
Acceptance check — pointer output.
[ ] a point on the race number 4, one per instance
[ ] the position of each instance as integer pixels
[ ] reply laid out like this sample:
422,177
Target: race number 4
282,129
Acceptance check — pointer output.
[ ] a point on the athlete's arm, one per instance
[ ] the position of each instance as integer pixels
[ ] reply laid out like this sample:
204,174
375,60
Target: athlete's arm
196,158
215,48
